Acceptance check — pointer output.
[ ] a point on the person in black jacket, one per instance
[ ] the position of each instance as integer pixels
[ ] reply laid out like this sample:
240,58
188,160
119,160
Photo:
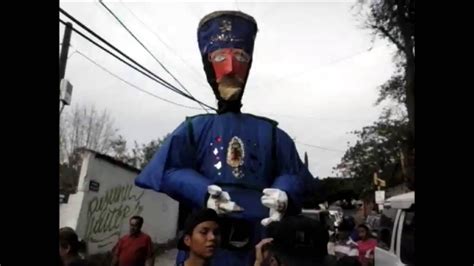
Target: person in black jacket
294,241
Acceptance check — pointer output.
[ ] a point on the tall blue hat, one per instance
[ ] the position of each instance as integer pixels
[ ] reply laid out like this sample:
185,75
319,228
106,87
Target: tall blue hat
225,29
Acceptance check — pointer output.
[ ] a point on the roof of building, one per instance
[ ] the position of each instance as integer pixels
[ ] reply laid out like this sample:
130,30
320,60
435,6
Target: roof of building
112,160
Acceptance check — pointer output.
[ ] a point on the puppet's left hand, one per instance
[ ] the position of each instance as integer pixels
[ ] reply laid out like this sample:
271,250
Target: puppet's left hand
277,201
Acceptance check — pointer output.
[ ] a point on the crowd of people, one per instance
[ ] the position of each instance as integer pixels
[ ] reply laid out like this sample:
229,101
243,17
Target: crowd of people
295,240
292,241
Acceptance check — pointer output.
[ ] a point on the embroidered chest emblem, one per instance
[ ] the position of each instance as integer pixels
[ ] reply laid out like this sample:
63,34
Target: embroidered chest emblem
235,156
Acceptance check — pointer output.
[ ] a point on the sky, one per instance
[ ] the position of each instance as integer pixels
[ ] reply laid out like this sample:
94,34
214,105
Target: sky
315,69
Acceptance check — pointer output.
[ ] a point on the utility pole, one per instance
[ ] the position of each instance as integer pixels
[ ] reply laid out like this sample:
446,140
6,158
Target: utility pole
65,88
65,50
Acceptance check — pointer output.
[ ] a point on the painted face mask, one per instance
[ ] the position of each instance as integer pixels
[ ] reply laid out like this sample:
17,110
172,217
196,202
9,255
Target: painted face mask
230,62
230,67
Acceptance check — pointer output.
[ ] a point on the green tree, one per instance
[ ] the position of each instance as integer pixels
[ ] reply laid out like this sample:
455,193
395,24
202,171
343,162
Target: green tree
85,127
377,150
149,149
140,155
119,149
379,145
331,189
395,20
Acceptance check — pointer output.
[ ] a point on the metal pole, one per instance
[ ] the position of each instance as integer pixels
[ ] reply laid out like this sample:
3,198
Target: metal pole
63,56
64,50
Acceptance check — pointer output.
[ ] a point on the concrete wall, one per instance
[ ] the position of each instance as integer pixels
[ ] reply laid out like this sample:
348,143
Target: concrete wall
101,217
69,212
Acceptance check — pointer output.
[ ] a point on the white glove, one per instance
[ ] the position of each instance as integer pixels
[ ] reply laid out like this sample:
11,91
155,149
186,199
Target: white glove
220,201
277,201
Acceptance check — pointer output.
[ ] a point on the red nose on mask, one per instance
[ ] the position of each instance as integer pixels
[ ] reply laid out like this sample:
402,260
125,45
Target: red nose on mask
230,62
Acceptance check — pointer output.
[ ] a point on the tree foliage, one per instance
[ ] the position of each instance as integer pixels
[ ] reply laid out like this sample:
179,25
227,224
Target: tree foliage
379,146
395,20
85,127
138,156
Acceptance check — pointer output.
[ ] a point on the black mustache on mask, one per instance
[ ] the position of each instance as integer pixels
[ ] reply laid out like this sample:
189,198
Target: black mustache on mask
231,80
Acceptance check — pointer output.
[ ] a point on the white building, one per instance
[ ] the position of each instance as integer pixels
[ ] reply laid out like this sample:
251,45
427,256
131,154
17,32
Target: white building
106,198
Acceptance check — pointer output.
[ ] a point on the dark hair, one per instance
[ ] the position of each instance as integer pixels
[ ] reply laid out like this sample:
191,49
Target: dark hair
68,237
195,219
138,218
365,227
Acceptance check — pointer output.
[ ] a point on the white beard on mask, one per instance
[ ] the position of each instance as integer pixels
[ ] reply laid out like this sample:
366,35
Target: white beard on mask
230,88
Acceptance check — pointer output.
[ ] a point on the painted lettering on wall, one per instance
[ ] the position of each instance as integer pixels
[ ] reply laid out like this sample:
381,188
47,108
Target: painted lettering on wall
107,213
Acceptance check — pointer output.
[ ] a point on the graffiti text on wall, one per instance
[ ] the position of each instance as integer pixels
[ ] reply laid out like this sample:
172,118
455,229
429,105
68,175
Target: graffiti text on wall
106,214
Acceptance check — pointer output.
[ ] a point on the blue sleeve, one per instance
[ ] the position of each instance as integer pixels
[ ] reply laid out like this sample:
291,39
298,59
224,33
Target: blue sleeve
172,170
292,175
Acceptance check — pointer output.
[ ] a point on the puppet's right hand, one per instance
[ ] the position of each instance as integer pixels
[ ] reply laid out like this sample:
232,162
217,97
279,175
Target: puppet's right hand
219,201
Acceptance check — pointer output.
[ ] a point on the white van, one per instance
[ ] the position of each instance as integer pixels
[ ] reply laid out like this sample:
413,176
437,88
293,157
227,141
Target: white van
396,232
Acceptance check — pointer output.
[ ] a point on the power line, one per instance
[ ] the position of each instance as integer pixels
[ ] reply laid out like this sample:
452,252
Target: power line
73,52
125,81
146,49
131,84
154,78
324,65
319,147
115,55
164,43
117,50
308,117
334,61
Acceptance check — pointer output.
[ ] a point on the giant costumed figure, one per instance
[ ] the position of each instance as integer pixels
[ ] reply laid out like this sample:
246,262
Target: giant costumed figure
241,165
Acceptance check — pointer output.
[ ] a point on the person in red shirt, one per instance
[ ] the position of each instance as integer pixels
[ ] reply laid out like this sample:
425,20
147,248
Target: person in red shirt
366,245
134,249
